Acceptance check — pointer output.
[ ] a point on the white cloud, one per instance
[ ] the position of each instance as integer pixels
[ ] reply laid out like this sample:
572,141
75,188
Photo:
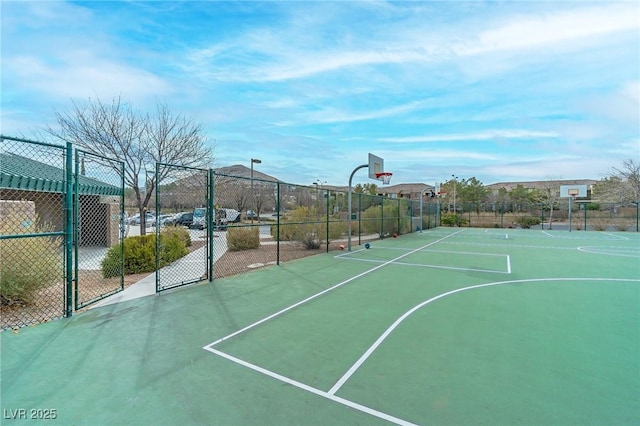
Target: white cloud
526,32
475,136
84,77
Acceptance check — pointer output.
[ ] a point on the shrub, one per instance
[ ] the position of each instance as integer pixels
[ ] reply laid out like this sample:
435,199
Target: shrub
527,222
28,264
180,233
310,240
383,220
140,253
598,224
620,225
452,219
242,238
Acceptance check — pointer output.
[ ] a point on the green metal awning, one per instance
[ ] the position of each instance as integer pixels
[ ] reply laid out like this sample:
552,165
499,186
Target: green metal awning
22,173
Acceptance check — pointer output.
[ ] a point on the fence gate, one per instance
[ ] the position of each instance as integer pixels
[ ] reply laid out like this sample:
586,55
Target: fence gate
184,201
98,228
33,194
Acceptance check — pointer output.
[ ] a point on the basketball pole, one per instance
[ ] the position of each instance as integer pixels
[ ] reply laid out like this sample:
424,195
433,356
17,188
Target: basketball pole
349,203
570,203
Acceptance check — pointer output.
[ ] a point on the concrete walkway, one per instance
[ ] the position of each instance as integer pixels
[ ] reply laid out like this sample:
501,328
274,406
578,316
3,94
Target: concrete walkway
147,286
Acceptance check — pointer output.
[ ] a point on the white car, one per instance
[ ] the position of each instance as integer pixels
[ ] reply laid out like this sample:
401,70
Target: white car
232,215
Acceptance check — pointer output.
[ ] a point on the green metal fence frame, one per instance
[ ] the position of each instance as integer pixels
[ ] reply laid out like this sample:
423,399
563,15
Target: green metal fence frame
75,228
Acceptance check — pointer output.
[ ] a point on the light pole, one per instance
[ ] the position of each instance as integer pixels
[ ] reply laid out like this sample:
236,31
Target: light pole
318,184
253,161
317,193
455,187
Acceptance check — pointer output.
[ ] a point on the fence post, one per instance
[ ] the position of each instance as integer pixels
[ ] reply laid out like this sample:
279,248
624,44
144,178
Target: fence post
157,227
326,194
278,223
68,230
211,219
382,217
398,214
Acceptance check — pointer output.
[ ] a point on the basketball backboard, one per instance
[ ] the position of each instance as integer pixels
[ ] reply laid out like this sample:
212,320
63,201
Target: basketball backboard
573,191
376,165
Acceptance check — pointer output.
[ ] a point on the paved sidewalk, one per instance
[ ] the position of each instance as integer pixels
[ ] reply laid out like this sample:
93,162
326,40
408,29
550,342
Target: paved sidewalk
147,286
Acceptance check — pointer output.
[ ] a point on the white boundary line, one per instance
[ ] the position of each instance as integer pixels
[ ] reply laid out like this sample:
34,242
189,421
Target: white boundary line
617,236
330,395
389,330
311,389
423,265
602,250
302,302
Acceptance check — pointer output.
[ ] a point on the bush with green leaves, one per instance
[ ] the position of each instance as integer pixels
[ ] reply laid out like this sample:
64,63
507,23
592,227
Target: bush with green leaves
527,222
242,238
384,220
303,224
452,219
29,264
177,232
140,253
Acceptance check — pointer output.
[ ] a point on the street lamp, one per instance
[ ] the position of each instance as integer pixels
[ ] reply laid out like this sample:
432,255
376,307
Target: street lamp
455,187
253,161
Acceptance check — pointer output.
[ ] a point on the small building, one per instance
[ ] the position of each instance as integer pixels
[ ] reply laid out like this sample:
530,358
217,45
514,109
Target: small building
33,189
407,191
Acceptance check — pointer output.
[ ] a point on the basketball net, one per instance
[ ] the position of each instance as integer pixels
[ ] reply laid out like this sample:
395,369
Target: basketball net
385,177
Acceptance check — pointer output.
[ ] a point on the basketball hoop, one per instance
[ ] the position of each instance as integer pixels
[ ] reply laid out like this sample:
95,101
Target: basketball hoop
385,177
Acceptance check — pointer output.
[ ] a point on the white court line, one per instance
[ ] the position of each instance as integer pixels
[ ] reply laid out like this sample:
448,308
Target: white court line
603,251
295,305
547,233
311,389
617,236
453,268
389,330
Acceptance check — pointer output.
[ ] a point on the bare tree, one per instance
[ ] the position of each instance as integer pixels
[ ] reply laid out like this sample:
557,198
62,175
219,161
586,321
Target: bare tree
118,132
549,194
629,174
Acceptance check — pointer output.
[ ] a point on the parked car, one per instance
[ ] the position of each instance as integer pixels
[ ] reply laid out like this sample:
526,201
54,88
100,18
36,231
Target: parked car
149,218
232,215
183,219
200,218
250,214
163,220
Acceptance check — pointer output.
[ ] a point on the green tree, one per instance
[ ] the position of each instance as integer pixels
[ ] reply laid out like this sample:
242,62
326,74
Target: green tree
520,194
473,191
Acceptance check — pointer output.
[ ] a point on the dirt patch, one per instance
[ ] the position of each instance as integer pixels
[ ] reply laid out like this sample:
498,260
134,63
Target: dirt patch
49,301
237,262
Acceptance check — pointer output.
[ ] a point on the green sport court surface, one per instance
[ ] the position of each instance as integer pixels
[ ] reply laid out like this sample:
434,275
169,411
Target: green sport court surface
449,326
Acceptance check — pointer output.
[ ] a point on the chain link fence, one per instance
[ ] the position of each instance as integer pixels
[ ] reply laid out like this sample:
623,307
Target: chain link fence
98,227
268,222
181,212
59,216
32,217
583,215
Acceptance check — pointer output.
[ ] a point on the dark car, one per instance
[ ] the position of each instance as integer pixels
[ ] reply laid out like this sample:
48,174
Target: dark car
183,219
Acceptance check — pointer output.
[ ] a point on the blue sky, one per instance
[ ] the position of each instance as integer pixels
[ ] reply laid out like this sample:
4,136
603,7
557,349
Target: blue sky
500,91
